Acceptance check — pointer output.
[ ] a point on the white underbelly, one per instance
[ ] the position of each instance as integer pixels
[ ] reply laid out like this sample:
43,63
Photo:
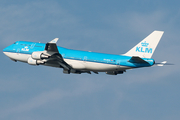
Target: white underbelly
93,66
17,56
76,64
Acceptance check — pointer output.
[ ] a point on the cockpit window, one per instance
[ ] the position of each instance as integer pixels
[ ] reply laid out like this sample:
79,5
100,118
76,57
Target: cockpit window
17,42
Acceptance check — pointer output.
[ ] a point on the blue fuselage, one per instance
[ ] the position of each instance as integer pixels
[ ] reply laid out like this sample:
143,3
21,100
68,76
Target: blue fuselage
23,47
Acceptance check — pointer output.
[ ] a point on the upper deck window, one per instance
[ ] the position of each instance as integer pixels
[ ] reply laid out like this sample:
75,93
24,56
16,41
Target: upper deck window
38,46
25,45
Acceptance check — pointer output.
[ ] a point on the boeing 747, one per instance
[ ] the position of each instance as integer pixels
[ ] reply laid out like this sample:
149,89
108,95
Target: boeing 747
76,61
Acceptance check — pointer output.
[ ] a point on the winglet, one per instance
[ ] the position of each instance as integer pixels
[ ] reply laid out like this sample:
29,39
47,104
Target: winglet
54,40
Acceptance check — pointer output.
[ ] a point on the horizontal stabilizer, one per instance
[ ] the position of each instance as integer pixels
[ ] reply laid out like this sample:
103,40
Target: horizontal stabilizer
163,63
136,59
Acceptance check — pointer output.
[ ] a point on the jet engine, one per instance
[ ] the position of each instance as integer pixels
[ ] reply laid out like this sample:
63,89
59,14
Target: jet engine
32,61
39,56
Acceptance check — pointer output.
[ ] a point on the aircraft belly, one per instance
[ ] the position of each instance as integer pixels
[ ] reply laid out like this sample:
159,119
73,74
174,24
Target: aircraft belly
17,56
93,66
76,64
100,66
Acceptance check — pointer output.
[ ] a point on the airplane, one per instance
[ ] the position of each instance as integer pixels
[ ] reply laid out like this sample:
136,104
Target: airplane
76,61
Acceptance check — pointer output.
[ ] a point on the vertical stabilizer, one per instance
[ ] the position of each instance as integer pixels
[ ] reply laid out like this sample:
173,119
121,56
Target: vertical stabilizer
146,47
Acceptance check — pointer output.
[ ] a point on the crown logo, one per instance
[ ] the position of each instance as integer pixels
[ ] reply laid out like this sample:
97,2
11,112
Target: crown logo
145,44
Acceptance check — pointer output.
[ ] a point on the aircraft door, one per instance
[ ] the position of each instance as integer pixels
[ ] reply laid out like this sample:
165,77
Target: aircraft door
118,63
32,46
18,51
85,58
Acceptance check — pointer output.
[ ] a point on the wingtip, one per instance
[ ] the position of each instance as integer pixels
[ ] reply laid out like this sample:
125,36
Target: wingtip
164,62
54,40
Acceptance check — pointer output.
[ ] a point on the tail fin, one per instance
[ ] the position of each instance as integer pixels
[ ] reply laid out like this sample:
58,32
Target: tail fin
146,47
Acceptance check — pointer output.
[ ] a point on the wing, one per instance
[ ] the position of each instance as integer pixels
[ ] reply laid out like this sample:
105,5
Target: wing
51,46
55,58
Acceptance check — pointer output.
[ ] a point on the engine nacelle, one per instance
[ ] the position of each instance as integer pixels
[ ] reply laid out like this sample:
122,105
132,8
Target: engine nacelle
39,56
32,61
114,72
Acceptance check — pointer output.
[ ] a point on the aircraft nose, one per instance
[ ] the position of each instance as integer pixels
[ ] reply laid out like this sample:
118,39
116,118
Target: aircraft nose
5,51
8,48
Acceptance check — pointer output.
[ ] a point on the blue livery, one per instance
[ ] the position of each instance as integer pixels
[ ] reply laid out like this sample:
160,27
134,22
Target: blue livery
76,61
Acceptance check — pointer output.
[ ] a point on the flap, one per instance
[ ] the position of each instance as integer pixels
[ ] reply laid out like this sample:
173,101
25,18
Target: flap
56,57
